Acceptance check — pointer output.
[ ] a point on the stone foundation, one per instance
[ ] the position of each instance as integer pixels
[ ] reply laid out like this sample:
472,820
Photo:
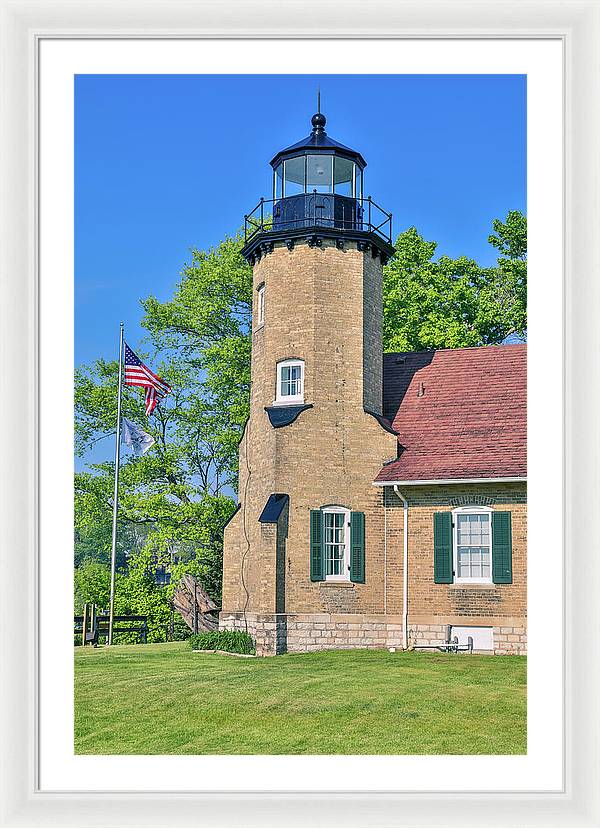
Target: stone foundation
510,640
303,632
507,640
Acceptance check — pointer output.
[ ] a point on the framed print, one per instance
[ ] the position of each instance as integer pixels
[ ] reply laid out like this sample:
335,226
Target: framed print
128,127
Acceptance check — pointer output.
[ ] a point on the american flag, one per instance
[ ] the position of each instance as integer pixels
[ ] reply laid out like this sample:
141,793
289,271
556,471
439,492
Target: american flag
136,373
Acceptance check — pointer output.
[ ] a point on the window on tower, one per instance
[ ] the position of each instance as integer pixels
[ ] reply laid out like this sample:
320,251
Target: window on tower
260,306
290,382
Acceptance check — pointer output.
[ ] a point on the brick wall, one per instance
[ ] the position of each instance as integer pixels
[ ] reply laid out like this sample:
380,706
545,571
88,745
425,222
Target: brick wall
474,604
322,305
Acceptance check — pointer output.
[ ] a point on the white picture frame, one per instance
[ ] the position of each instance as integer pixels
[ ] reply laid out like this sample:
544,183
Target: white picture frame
24,24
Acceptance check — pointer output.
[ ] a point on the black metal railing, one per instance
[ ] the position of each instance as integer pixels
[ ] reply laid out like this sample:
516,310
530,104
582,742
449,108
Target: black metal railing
327,210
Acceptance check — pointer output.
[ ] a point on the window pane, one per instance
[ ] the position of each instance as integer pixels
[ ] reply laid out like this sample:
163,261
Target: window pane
463,563
261,305
342,176
473,545
285,382
318,174
335,546
278,181
294,176
485,563
290,380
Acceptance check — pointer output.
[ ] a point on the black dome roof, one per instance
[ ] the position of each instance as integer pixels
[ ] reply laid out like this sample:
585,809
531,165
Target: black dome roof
318,141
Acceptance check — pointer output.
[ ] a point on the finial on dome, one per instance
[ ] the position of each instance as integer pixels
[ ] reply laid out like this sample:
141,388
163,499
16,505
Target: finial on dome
318,121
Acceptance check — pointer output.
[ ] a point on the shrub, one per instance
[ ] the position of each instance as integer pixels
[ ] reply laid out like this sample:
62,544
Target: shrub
232,641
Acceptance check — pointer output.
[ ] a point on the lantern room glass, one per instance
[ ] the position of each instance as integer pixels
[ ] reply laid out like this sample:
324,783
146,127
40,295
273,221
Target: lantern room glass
343,176
319,173
323,173
278,182
294,176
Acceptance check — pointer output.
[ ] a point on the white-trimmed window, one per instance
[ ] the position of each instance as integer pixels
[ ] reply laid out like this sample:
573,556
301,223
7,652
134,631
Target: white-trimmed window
260,306
336,543
290,382
472,544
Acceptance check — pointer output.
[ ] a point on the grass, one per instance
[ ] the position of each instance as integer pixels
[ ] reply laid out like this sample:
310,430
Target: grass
166,699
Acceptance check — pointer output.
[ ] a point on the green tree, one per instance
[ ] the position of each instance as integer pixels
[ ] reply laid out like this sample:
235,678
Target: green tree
455,303
207,324
173,502
175,499
92,585
510,236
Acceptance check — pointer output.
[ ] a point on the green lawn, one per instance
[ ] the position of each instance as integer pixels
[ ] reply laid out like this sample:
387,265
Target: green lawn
163,698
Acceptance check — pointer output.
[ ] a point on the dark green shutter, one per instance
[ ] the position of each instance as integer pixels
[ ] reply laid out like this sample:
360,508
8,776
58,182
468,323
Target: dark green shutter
442,548
501,548
357,547
317,562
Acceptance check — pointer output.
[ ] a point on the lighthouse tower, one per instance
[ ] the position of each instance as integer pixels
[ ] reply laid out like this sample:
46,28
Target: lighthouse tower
303,548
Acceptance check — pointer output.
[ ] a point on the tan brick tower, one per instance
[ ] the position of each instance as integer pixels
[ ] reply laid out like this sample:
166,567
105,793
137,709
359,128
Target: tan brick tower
294,555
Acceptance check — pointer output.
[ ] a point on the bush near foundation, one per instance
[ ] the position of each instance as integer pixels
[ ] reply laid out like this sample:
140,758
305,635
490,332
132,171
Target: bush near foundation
232,641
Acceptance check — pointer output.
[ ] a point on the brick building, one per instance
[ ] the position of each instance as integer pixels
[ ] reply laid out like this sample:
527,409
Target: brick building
382,498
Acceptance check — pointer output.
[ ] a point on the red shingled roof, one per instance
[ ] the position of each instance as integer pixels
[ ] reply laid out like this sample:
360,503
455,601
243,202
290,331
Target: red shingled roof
459,413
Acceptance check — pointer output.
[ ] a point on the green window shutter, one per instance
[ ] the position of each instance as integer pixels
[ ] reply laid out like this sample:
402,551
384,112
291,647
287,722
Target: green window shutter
317,559
442,548
357,547
501,548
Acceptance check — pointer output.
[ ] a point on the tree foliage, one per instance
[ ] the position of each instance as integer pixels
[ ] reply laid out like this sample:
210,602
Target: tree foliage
92,585
207,324
454,303
175,499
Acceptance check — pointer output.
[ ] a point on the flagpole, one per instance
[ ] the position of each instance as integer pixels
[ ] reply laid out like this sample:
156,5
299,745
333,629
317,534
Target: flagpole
113,557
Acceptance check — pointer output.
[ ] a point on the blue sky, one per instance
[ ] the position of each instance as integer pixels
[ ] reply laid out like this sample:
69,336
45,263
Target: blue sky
164,163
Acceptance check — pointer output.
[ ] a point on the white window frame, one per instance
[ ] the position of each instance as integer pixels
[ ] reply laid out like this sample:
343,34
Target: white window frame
338,510
260,306
289,399
469,510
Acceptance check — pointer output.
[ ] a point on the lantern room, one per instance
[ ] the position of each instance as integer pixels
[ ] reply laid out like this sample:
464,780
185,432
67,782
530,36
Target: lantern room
317,186
318,164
